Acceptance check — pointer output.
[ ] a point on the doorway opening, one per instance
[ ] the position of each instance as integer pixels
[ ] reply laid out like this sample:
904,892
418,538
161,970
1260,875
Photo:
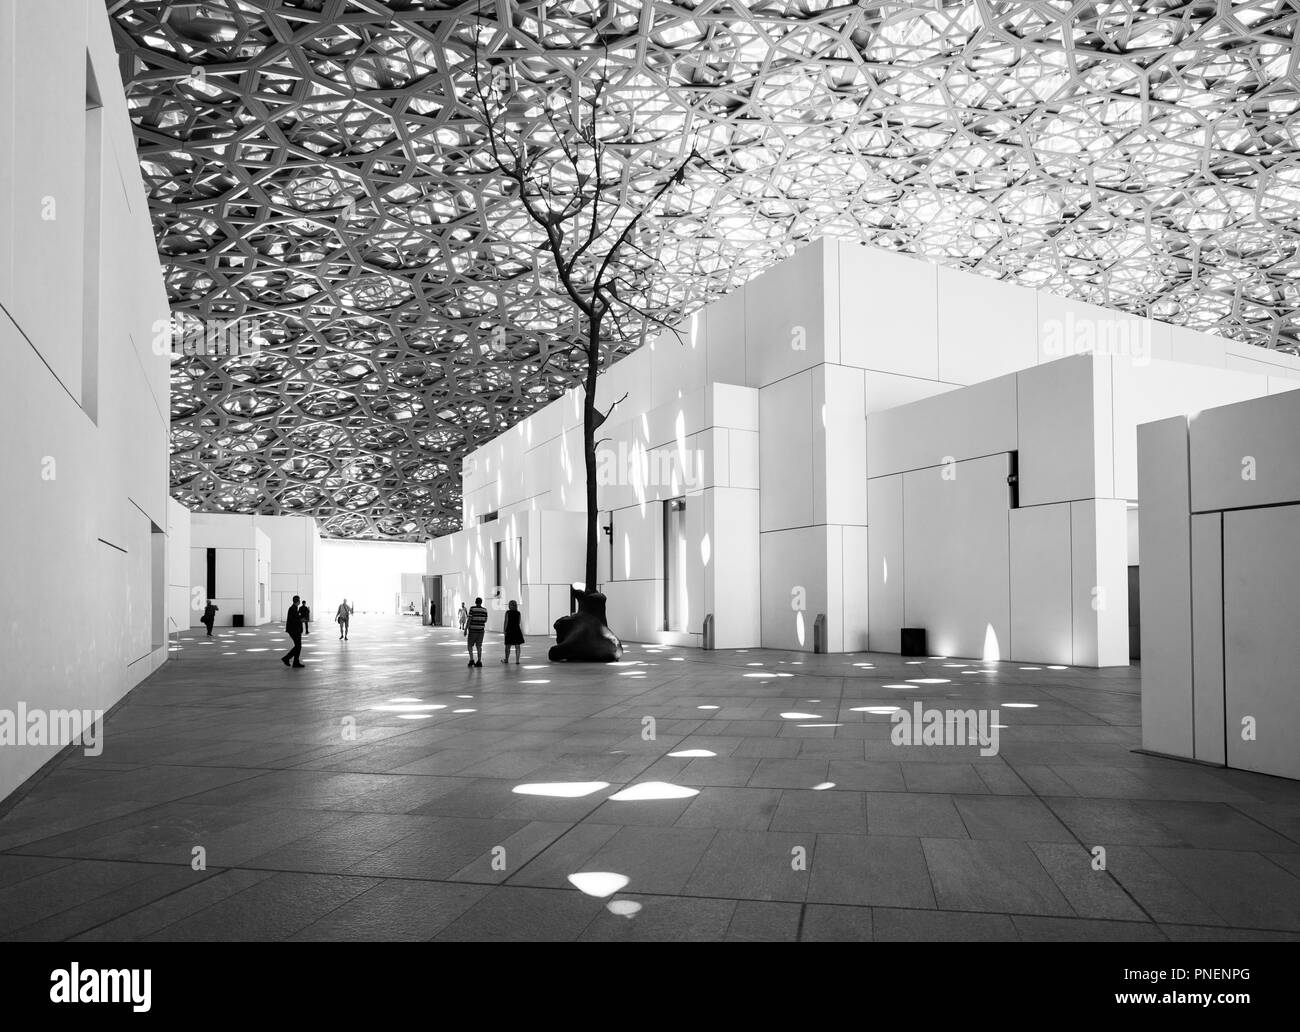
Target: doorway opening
433,615
675,564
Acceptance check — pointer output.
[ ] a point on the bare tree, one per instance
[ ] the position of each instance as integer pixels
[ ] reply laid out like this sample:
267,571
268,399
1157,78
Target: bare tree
568,150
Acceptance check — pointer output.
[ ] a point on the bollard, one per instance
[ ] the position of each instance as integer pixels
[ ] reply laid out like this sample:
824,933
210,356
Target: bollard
819,633
707,643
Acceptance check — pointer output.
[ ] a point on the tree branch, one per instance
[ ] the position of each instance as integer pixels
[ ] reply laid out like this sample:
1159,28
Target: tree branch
602,416
677,177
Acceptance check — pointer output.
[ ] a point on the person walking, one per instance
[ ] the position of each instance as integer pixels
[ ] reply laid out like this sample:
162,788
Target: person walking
514,631
293,628
464,617
305,611
209,616
475,624
342,617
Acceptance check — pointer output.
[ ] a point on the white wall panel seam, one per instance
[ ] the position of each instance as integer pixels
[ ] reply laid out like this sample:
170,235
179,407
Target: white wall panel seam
1114,459
1074,641
939,465
1223,633
1191,628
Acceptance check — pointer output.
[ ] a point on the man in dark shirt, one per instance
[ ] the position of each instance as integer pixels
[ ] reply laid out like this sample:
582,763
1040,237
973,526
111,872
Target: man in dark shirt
293,628
209,616
475,625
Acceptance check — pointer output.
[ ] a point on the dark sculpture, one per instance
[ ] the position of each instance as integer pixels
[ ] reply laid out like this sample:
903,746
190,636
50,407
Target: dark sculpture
584,636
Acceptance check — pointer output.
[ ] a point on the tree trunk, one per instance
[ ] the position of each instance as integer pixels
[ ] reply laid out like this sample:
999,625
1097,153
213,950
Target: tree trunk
585,636
589,428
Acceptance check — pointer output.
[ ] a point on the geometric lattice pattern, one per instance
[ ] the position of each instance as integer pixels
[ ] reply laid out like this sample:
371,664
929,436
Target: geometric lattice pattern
313,166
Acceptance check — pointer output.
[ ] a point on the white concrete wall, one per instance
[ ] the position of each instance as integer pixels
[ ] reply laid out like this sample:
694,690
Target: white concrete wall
84,400
182,600
1220,529
956,557
1164,529
295,554
1155,390
542,556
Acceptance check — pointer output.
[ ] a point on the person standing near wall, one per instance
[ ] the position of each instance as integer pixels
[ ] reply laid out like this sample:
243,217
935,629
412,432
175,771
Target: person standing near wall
209,616
293,628
514,631
305,611
475,625
342,617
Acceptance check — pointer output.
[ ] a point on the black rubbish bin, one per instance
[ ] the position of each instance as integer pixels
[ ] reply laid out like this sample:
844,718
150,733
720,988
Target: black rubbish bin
237,620
913,643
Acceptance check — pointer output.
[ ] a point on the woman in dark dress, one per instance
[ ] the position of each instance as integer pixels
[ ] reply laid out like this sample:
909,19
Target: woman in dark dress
514,631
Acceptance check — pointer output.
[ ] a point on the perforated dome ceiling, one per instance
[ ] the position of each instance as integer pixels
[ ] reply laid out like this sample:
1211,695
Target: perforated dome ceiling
311,167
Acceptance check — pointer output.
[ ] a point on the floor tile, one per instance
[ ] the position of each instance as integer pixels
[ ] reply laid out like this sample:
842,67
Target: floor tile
836,923
997,877
922,815
754,865
827,811
870,870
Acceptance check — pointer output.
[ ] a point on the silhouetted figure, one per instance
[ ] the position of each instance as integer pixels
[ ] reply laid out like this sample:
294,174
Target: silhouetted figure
209,616
305,611
342,617
464,617
514,631
293,628
433,614
475,624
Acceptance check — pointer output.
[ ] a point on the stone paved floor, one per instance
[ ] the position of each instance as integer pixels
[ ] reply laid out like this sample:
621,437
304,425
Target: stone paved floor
412,828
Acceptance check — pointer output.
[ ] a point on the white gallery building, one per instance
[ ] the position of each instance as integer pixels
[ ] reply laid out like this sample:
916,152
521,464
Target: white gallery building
853,443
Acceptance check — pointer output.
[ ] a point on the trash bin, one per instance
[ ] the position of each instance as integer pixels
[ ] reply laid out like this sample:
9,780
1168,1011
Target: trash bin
237,620
913,643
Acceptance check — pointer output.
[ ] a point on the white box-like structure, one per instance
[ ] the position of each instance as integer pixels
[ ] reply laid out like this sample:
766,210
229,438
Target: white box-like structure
1221,585
1037,573
261,563
751,474
243,567
295,562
